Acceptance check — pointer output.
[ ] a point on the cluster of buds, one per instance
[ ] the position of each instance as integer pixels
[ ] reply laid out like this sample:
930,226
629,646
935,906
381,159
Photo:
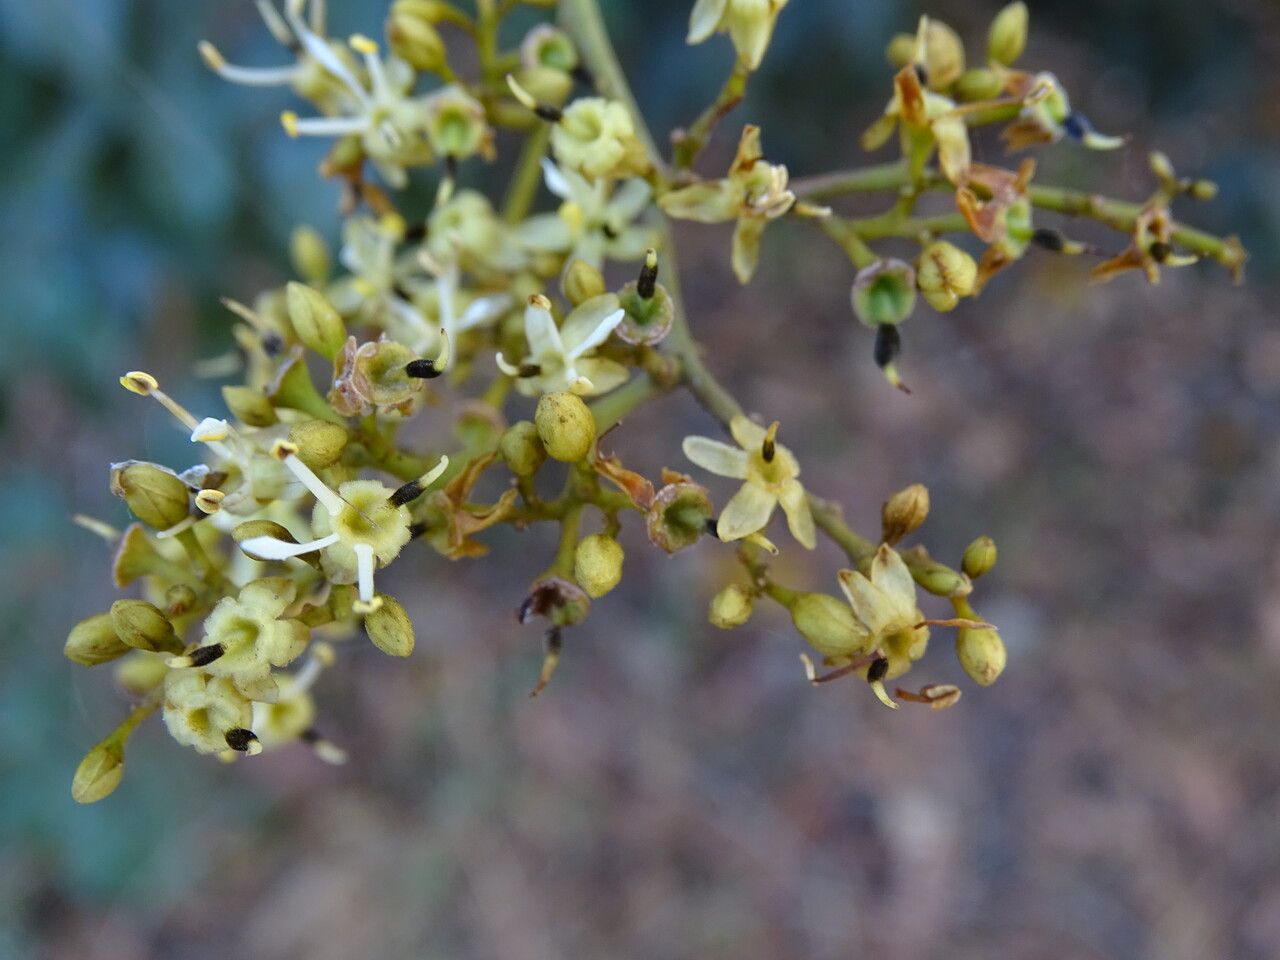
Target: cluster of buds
255,562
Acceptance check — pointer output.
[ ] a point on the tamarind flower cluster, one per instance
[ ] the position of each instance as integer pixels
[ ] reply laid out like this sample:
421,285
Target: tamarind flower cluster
255,561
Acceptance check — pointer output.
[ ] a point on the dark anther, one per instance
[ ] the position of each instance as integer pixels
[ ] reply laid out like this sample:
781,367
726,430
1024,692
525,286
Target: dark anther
1077,125
451,166
879,667
583,76
768,449
400,291
272,344
712,528
529,370
1049,239
553,640
407,493
422,369
549,113
415,232
239,739
888,345
647,284
921,74
1160,251
608,231
202,656
418,529
310,735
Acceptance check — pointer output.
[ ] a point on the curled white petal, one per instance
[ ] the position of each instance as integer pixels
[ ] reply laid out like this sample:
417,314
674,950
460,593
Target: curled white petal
269,548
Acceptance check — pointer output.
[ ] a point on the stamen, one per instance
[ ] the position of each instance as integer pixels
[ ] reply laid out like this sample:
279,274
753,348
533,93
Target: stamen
244,741
369,50
364,571
210,501
287,452
210,429
543,110
956,622
321,126
94,525
415,488
839,672
275,23
320,51
186,523
430,369
877,670
246,76
647,283
769,447
761,541
505,367
269,548
550,660
199,657
887,347
326,750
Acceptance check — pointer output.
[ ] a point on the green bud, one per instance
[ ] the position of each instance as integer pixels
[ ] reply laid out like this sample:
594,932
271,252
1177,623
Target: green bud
269,528
731,607
546,84
597,564
829,625
904,512
319,442
945,274
884,292
934,577
249,406
981,653
100,772
141,672
678,516
455,123
390,628
581,282
901,50
94,640
1008,35
412,35
979,557
135,557
315,321
521,449
980,83
565,424
944,55
310,255
144,626
154,494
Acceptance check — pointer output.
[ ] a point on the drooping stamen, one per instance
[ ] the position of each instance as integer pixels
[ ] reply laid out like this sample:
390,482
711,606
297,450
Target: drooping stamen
321,52
269,548
276,25
326,750
769,447
887,347
243,741
647,284
287,453
550,660
415,488
364,571
145,385
296,126
544,111
199,657
247,76
956,622
937,695
430,369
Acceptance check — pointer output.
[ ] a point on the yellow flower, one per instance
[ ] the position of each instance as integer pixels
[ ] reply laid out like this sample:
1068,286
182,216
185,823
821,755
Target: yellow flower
749,24
769,471
885,605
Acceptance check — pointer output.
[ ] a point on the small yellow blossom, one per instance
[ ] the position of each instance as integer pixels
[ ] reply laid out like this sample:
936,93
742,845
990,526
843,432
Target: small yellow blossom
749,24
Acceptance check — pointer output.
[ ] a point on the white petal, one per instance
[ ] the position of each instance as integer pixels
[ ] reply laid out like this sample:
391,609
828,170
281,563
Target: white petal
591,324
869,603
799,517
604,374
889,572
555,180
482,310
269,548
704,19
748,434
323,54
628,200
544,233
720,458
747,512
540,330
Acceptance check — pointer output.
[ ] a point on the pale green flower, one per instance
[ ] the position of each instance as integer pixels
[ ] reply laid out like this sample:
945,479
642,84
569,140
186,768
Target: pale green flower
597,137
749,24
562,358
885,605
769,472
200,710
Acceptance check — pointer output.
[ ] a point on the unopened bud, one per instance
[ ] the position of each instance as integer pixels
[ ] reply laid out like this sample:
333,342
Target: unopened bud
100,772
1008,34
581,282
412,34
319,442
979,557
829,625
315,320
904,512
981,653
884,293
310,255
141,672
521,449
597,564
901,50
731,607
144,626
154,494
390,628
93,641
945,274
934,577
943,55
566,427
980,83
249,406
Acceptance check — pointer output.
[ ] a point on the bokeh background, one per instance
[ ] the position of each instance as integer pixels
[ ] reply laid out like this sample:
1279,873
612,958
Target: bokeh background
680,792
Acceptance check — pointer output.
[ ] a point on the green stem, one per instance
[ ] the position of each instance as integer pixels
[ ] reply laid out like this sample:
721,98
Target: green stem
612,407
527,176
695,138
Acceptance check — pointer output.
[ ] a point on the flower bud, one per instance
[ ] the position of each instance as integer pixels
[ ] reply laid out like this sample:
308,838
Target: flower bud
904,512
565,424
1008,34
310,255
547,46
455,124
546,85
679,515
979,557
581,282
100,772
829,625
981,653
249,406
390,628
934,577
412,35
731,607
93,641
141,672
319,442
980,83
597,564
154,494
945,274
315,320
943,55
901,50
144,626
884,292
521,449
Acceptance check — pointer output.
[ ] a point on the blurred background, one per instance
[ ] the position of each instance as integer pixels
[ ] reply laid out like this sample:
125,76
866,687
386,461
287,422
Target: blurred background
679,791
